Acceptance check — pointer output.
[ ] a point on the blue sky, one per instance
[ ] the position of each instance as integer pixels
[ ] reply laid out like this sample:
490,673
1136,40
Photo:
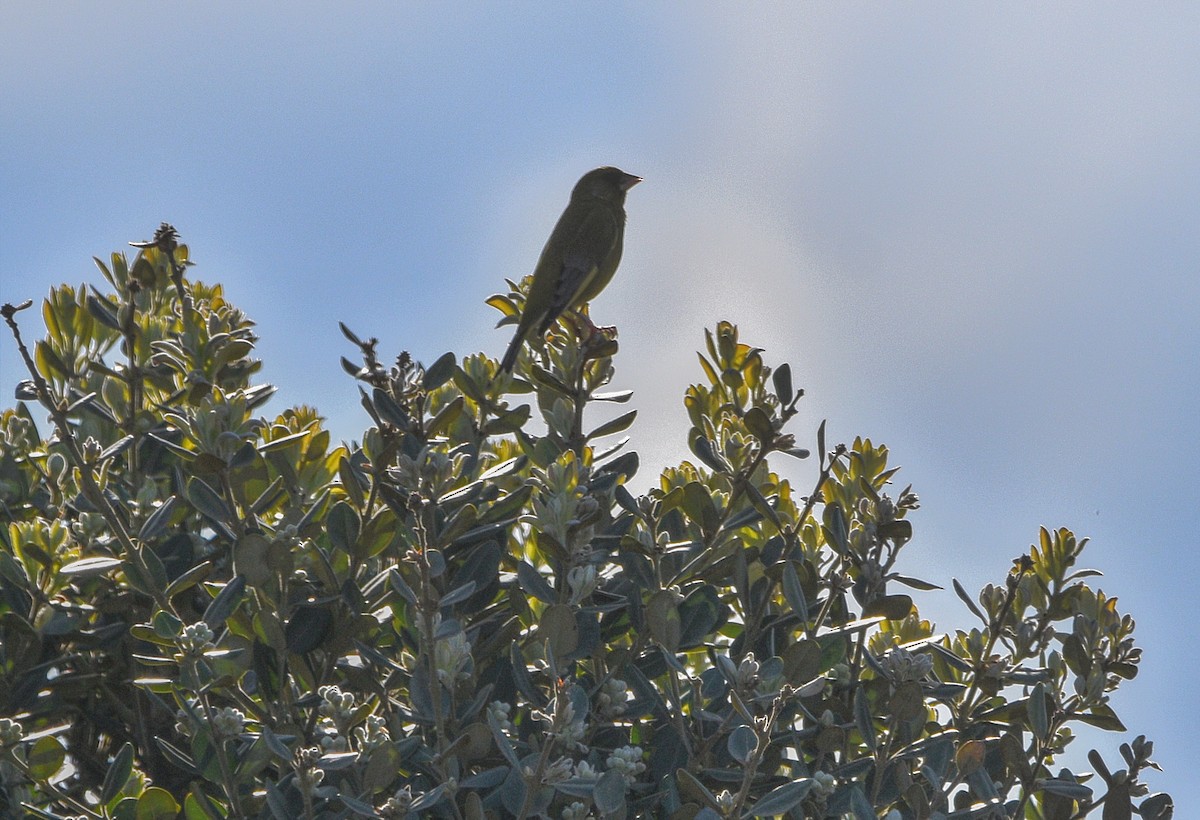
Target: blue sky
971,229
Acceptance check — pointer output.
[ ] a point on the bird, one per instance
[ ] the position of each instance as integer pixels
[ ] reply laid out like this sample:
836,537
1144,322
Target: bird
581,255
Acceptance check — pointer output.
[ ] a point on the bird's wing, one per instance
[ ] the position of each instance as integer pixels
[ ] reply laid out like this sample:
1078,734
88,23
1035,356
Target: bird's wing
586,251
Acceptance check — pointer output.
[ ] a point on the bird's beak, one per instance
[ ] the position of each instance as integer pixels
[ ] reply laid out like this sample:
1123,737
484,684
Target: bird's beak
629,181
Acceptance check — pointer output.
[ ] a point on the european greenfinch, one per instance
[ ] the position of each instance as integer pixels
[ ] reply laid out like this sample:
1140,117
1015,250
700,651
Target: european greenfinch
581,255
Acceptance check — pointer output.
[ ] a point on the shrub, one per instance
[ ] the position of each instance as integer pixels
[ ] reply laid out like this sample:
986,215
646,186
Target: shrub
209,612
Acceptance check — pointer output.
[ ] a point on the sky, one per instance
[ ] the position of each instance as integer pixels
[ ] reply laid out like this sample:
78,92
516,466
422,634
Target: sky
971,229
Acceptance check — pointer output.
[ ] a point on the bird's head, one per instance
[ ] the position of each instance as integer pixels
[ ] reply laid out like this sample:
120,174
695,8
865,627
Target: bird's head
605,183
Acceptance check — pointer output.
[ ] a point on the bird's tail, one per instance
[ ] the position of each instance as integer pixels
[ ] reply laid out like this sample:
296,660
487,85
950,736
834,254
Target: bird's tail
510,355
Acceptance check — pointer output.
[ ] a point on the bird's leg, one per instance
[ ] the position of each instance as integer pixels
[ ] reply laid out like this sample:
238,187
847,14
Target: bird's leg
583,322
597,341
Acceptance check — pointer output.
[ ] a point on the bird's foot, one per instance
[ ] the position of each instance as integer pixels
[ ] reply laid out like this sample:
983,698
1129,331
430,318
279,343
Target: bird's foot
600,342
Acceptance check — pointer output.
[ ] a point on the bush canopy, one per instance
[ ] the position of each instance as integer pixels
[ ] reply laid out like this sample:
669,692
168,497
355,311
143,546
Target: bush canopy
209,613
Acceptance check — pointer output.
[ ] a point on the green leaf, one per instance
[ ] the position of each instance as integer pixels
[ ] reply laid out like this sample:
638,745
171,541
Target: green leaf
177,757
860,805
1099,765
314,511
575,787
793,592
458,594
156,804
1076,656
534,584
863,718
782,799
166,625
282,442
364,809
950,658
759,424
509,422
609,794
699,506
781,378
156,524
104,312
440,372
208,502
440,424
1157,807
915,583
225,602
505,305
762,505
308,628
662,617
48,362
177,449
1036,707
493,522
801,662
277,745
899,531
514,793
117,447
352,481
1128,671
154,566
617,425
343,525
381,770
349,334
89,567
742,743
388,410
401,586
1117,803
558,628
836,534
251,559
45,759
87,402
277,803
1065,788
966,599
691,789
700,614
118,774
970,756
546,379
265,662
199,806
502,741
469,386
436,560
749,515
704,450
487,779
891,607
503,468
481,567
908,701
1103,717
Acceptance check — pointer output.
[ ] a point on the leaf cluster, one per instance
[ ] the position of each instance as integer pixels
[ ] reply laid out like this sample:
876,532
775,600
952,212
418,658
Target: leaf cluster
469,614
